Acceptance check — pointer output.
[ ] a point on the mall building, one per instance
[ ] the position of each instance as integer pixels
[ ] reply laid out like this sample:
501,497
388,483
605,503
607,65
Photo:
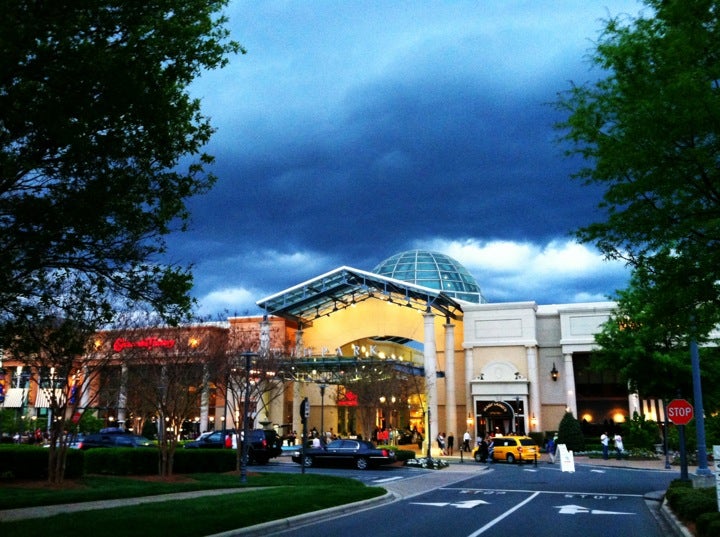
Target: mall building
486,367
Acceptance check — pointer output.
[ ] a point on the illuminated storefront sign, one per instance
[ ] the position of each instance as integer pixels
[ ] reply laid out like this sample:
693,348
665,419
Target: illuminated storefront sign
147,343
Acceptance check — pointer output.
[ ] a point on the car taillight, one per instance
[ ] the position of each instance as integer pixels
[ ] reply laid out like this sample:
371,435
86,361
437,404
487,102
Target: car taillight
385,452
264,443
79,445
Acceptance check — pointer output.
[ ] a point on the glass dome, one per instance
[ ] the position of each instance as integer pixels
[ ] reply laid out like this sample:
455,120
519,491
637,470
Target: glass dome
433,270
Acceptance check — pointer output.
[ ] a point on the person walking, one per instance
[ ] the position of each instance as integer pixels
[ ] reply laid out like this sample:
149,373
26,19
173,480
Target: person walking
466,442
551,448
450,444
605,441
619,448
441,443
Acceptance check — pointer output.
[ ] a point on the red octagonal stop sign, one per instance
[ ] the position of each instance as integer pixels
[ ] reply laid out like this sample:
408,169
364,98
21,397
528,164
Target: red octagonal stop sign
679,411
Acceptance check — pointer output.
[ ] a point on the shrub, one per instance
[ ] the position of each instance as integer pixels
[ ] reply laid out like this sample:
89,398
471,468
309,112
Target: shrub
708,525
188,461
570,433
31,462
121,461
641,433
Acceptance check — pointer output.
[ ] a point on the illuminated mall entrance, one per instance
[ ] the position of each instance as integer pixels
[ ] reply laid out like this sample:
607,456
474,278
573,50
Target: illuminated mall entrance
500,417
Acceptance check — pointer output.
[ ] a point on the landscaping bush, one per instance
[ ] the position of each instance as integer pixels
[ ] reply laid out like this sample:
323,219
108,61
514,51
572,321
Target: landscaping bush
400,454
689,503
708,525
188,461
570,433
31,462
122,461
23,462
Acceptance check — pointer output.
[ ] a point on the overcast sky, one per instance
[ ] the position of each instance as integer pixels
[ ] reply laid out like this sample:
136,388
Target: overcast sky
353,130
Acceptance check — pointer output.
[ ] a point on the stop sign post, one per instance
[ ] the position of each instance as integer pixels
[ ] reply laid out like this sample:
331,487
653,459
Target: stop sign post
679,411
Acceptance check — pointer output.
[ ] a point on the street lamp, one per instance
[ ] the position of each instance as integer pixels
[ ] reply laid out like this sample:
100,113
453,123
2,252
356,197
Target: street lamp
246,429
322,411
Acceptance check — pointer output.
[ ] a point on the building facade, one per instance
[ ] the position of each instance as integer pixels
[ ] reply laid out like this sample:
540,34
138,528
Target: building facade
484,367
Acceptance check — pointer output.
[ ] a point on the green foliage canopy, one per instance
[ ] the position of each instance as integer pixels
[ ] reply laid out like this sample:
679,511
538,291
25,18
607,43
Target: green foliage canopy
100,147
648,131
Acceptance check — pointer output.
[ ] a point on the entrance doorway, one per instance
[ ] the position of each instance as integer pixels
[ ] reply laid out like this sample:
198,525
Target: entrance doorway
499,417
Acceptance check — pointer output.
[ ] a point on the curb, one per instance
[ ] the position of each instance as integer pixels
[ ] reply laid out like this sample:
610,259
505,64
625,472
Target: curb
308,518
673,521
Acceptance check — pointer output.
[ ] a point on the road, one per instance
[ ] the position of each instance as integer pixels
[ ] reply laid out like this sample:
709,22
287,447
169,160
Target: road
503,499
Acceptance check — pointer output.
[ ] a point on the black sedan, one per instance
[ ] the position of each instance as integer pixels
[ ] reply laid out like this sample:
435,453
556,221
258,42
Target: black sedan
359,453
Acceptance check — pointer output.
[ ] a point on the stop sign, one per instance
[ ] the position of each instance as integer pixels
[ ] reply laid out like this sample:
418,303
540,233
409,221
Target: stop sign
679,411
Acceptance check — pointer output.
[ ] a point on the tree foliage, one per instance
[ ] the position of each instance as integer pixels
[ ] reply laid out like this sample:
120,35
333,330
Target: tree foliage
570,433
648,131
100,147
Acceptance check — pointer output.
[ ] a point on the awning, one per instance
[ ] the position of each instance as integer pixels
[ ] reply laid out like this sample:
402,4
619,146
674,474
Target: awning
43,397
345,286
14,397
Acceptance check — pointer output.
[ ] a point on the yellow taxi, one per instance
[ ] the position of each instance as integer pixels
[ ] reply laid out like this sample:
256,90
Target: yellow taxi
513,448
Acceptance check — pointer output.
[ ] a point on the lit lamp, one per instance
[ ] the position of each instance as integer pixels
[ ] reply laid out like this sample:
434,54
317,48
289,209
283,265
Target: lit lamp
554,373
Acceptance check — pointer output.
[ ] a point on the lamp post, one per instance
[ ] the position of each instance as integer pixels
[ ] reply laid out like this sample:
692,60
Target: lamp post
703,469
246,429
322,411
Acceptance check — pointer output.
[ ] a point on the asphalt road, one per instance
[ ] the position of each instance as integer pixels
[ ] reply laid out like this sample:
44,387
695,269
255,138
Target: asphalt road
502,499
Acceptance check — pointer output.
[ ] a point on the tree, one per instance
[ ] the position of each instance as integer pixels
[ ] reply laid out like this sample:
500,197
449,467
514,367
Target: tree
67,370
647,349
100,149
648,131
570,433
166,370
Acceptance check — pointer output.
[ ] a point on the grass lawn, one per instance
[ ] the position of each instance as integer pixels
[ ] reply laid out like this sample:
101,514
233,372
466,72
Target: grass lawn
278,496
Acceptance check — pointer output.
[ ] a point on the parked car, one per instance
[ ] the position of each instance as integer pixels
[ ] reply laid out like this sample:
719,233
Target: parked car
511,449
264,444
359,453
114,439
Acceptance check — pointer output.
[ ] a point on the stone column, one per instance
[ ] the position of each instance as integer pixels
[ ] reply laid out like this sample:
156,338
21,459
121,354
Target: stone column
430,363
122,396
451,421
570,385
205,399
470,407
534,378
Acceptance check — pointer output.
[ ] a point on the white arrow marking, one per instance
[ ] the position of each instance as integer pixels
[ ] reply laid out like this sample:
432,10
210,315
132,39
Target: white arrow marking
598,471
460,505
571,509
387,479
469,504
578,509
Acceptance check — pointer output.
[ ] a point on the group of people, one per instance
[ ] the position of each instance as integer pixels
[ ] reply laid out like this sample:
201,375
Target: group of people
617,440
446,444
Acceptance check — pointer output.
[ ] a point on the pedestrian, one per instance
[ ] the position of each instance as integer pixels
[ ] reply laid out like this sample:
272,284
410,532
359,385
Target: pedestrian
491,447
441,443
466,441
551,448
450,444
483,450
619,448
605,441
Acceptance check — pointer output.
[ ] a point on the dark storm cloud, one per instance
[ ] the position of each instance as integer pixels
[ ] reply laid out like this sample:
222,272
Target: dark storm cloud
354,130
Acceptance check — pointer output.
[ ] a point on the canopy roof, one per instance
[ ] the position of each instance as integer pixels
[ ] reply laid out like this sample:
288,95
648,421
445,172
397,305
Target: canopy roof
344,286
